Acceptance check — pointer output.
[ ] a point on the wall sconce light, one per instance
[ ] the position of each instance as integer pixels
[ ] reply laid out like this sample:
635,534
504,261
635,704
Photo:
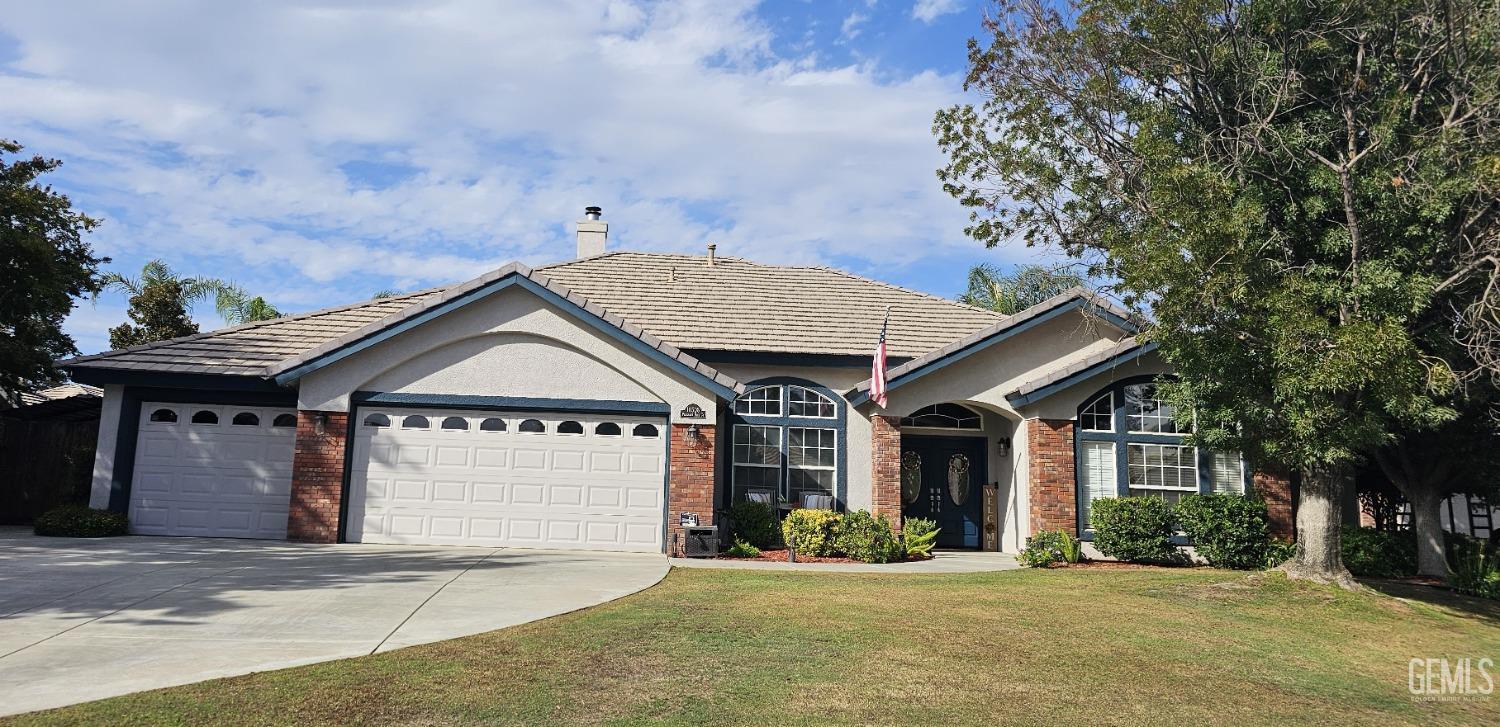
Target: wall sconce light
693,431
320,423
1002,446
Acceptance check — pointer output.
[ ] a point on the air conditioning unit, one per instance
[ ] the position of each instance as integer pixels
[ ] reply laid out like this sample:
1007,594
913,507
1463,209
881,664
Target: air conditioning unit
700,541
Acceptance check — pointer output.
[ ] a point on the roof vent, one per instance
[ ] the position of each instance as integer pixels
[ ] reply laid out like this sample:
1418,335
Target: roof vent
711,248
593,232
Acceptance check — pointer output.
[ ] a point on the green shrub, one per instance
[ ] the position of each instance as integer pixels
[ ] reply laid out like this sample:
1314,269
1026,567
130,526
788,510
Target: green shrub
866,538
1278,552
1475,572
1379,553
1048,547
755,523
919,535
811,531
742,549
77,521
1136,529
1228,531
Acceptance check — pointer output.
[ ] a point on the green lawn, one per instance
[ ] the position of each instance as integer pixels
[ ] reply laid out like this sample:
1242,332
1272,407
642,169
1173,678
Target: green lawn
746,647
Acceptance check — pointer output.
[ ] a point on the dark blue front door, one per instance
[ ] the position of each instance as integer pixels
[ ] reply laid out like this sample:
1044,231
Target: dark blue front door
942,479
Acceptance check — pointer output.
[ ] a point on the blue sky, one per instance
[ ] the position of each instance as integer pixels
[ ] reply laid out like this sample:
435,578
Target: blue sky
318,152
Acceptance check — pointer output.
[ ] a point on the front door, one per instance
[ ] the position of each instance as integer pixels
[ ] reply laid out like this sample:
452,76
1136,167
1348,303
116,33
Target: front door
942,479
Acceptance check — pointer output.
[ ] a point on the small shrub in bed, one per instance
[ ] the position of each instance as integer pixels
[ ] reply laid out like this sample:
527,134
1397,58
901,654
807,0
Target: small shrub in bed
77,521
1136,529
811,531
864,537
755,523
1228,531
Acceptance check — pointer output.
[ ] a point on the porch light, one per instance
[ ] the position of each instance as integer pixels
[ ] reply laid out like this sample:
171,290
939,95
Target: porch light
1002,446
693,431
320,422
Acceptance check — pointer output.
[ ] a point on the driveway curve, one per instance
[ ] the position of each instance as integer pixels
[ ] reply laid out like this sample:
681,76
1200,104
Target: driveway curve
87,619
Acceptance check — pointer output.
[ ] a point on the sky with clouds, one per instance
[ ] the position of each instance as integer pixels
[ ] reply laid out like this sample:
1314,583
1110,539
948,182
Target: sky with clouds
317,152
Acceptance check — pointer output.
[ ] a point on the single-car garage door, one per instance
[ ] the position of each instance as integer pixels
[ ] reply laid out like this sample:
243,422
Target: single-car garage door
540,480
212,470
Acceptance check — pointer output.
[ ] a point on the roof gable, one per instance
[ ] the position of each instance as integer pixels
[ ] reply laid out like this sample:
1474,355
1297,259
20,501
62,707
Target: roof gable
1074,299
514,274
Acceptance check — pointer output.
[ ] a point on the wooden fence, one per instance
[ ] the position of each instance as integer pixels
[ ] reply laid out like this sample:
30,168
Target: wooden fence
43,464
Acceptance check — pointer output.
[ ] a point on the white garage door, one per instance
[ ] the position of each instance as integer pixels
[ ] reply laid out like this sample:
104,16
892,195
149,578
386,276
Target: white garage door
212,470
534,480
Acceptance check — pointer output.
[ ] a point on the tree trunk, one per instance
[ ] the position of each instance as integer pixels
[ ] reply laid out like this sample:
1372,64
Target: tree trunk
1427,520
1319,517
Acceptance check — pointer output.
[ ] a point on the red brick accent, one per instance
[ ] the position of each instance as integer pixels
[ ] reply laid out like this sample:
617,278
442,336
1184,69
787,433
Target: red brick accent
885,474
690,481
1275,487
317,477
1049,448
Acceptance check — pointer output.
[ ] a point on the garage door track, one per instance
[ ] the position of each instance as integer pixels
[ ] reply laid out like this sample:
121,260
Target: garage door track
86,619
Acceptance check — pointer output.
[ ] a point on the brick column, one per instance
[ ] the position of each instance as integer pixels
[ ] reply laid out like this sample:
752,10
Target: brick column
1274,486
690,482
317,477
885,474
1049,451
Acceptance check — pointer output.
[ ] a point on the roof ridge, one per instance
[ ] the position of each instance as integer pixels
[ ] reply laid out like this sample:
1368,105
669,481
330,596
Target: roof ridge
246,326
893,286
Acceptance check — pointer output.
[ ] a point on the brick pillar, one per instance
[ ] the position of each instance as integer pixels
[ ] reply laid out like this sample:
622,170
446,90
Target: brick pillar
885,474
690,484
1274,486
1049,449
317,477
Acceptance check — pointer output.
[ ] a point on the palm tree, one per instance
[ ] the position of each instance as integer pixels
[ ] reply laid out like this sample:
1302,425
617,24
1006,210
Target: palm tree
156,273
236,306
1008,293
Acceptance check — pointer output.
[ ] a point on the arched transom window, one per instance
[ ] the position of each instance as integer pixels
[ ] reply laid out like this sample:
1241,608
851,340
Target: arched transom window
943,416
1131,443
787,444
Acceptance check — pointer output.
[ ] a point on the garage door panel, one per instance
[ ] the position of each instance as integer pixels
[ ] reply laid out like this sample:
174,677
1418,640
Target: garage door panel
218,480
487,487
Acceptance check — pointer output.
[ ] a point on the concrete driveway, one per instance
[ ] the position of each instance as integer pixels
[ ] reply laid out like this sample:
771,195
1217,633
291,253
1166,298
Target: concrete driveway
86,619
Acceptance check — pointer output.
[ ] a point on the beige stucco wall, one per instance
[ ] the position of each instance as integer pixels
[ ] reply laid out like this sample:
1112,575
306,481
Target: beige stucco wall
1064,404
104,450
509,344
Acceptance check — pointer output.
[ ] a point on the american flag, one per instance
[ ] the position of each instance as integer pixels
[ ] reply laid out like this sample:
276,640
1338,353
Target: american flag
877,368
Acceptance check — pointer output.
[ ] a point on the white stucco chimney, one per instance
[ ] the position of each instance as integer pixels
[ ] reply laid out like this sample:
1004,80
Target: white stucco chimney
592,232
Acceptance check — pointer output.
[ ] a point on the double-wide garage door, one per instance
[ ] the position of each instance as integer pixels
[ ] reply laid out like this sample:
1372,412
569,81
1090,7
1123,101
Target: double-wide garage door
541,480
212,470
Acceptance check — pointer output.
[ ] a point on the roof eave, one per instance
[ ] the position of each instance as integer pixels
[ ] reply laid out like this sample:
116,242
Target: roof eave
1031,394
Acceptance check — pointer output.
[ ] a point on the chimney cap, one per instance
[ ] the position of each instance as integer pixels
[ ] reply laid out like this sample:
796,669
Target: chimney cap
593,212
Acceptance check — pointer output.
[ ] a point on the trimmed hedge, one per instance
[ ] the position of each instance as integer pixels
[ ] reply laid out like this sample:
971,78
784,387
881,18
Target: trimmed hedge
864,537
811,532
1228,531
1379,553
1136,529
755,523
77,521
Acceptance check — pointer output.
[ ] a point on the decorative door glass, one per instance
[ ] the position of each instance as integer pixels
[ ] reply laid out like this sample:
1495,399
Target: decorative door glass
911,477
958,479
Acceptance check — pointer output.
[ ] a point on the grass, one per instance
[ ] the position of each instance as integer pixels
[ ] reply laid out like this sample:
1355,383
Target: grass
763,648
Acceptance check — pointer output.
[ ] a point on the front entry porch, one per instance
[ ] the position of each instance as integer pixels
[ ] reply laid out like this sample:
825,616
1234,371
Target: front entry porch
943,479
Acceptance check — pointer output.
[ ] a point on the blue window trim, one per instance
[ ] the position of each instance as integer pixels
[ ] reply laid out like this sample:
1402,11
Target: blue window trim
1121,437
127,430
484,291
839,423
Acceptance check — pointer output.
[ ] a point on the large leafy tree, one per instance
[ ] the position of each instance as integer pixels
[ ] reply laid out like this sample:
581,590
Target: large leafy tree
1303,193
44,264
1010,292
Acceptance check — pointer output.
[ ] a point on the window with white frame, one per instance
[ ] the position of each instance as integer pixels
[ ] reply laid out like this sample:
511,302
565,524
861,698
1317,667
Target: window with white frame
778,454
1130,444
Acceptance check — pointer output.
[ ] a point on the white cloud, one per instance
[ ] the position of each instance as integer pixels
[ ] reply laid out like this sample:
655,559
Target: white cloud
218,136
930,10
849,29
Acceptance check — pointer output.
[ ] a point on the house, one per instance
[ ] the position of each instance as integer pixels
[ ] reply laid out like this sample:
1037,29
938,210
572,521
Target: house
605,402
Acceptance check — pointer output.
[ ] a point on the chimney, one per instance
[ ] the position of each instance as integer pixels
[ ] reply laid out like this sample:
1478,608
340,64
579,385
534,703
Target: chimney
711,248
592,232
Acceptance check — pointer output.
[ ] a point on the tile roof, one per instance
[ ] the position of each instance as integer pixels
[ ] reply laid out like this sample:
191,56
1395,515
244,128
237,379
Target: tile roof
669,300
455,292
1092,302
1122,348
60,392
740,305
